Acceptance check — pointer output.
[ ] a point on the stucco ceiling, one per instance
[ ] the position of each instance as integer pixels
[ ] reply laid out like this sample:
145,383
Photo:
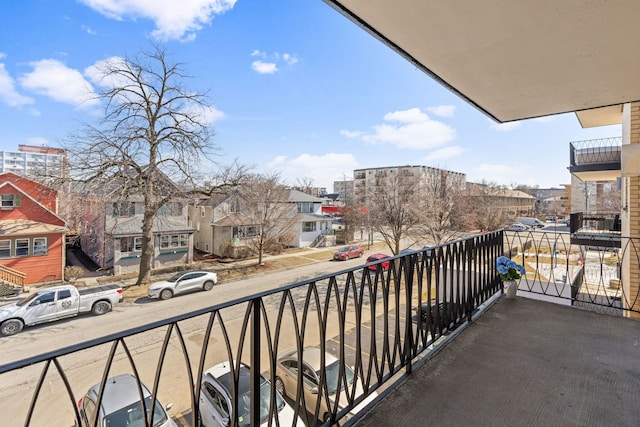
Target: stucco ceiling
515,59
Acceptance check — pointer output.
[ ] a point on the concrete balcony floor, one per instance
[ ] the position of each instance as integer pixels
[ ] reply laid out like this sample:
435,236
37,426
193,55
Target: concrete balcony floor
524,363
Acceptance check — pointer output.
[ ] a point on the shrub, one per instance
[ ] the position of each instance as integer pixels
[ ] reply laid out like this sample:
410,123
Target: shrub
72,272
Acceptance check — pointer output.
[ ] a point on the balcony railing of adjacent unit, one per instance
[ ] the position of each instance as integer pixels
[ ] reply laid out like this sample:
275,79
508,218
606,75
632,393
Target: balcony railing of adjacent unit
595,229
378,321
596,154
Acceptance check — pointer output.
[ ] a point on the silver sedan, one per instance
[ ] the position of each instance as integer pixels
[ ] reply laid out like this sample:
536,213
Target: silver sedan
183,282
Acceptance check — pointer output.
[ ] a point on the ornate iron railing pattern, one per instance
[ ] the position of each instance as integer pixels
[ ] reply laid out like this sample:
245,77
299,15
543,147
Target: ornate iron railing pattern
589,274
372,320
378,321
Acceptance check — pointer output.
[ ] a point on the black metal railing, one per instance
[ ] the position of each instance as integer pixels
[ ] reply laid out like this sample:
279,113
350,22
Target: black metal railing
599,153
376,319
590,274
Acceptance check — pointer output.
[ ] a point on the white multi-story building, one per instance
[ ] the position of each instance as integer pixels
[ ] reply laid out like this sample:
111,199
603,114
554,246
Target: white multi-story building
370,180
34,161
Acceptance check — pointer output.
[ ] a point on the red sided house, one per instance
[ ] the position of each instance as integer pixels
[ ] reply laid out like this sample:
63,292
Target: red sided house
32,235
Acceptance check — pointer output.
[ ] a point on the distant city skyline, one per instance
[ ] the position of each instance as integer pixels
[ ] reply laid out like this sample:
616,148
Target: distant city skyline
295,87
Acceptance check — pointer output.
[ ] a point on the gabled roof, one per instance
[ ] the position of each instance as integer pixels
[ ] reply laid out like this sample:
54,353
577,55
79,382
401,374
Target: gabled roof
54,216
233,219
513,59
296,196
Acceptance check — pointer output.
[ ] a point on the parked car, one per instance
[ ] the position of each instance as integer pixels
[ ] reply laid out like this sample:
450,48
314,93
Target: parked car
286,382
516,226
121,405
183,282
348,252
55,303
216,399
377,257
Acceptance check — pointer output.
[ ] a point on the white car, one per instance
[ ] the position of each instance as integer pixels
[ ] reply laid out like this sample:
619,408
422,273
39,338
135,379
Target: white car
185,281
215,399
121,405
516,226
286,382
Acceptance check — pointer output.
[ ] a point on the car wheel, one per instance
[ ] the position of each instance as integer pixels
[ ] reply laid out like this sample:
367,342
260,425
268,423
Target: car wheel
11,327
101,307
360,254
346,258
166,294
280,386
208,285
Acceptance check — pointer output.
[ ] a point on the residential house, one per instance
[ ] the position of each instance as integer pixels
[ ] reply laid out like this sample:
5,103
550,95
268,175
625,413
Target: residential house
222,220
111,233
32,235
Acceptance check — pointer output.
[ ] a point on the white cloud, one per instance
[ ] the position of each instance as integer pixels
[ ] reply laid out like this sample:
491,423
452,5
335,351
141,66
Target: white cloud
442,110
89,30
351,134
271,61
205,115
99,74
63,84
416,131
173,19
264,67
37,140
324,169
444,153
289,59
8,93
505,127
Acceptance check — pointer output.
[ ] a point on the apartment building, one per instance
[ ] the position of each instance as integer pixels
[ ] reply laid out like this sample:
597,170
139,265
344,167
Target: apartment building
34,161
370,180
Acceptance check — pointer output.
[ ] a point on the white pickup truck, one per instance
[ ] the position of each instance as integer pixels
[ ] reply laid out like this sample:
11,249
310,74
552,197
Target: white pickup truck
58,302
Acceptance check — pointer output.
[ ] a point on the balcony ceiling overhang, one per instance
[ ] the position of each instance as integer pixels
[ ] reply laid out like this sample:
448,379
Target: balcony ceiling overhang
600,175
516,60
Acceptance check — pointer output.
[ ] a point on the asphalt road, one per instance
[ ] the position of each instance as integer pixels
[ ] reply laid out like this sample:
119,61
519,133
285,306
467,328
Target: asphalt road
85,369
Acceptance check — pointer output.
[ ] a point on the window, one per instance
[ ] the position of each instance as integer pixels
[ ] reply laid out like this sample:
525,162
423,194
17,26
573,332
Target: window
40,246
45,298
64,294
5,248
171,209
124,209
308,226
131,244
174,241
10,201
305,207
234,206
22,247
202,211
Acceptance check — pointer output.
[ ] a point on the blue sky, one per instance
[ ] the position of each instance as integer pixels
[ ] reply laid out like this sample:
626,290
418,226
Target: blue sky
296,88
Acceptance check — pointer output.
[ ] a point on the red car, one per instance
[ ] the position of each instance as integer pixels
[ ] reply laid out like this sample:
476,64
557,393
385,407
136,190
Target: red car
378,257
348,252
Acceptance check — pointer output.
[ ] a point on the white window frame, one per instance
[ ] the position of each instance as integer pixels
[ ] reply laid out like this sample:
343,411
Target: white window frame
8,243
22,248
40,251
313,228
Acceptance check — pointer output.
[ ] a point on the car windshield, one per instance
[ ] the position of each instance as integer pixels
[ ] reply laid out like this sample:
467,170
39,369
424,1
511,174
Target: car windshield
133,416
344,250
28,299
175,277
244,404
332,375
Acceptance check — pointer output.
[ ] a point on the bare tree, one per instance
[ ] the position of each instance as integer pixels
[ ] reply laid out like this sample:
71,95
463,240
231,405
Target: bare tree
153,129
304,184
486,205
441,204
269,215
392,209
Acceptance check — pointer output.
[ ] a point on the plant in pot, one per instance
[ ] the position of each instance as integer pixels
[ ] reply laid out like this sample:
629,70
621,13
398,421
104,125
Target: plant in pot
510,272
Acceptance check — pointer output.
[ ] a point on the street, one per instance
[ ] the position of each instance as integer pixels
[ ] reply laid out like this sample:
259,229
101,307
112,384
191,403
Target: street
83,369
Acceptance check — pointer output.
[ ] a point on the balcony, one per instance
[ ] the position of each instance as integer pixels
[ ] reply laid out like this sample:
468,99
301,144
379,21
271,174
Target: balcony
595,229
595,160
431,338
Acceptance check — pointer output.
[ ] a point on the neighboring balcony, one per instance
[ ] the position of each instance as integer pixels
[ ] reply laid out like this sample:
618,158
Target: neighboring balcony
596,160
595,230
431,339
